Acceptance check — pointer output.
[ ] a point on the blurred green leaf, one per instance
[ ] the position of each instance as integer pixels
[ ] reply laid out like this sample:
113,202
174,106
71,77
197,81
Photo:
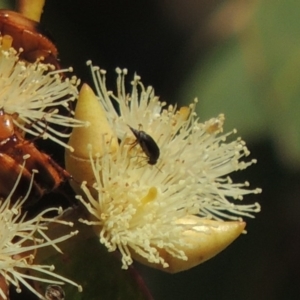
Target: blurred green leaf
221,86
254,79
7,4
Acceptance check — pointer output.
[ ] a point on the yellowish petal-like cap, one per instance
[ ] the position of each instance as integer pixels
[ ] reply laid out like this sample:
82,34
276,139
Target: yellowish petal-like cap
207,239
31,9
78,163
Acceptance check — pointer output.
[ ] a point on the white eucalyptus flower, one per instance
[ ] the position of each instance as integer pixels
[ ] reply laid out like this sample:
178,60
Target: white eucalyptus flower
20,239
143,201
35,94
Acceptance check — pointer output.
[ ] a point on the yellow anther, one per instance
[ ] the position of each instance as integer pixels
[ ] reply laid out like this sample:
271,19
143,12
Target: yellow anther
6,42
184,112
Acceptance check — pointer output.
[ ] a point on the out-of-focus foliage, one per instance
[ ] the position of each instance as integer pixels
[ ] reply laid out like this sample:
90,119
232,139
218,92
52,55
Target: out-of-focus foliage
7,4
89,263
253,77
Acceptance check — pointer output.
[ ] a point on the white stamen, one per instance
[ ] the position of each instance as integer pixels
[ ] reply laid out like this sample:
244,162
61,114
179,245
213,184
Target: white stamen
138,204
19,236
30,90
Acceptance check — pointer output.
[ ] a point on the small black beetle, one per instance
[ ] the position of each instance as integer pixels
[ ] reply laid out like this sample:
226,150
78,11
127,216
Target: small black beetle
148,145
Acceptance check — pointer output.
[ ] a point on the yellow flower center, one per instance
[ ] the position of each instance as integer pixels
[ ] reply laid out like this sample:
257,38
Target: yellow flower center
152,194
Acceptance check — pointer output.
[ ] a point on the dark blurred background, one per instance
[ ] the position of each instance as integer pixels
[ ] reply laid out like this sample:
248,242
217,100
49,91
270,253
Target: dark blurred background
240,58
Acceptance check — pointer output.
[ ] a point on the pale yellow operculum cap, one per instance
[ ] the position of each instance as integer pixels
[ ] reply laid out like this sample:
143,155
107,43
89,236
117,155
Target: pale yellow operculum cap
207,239
31,9
78,163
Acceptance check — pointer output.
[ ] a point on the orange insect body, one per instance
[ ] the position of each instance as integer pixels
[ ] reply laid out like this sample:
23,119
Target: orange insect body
7,129
13,149
27,35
